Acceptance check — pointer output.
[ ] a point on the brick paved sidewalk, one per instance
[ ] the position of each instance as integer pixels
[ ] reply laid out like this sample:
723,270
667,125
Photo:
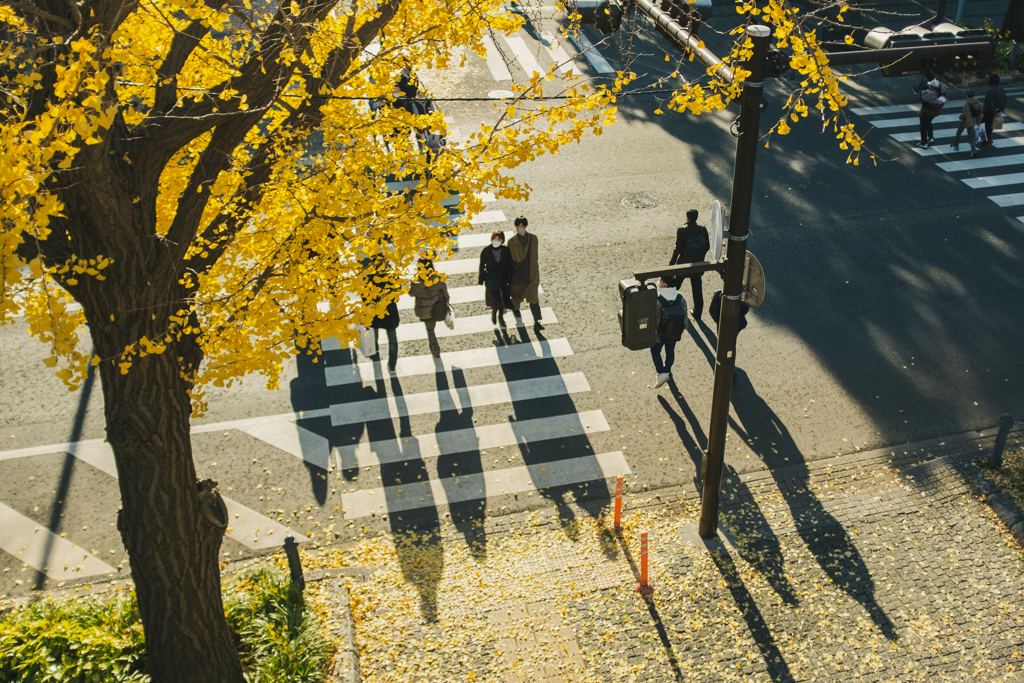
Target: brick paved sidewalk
872,566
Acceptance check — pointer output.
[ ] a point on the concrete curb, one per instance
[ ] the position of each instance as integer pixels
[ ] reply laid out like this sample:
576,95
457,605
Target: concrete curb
1008,513
346,661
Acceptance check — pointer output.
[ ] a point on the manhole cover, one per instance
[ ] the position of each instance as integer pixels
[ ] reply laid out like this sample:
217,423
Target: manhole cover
639,201
501,94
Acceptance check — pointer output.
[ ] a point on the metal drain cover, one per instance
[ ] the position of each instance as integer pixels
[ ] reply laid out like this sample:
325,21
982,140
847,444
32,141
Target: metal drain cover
639,201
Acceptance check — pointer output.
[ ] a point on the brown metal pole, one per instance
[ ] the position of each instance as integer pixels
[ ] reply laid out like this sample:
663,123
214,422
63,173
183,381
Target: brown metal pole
752,103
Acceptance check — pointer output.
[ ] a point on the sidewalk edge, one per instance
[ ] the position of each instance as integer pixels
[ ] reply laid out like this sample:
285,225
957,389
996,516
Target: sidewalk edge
1008,513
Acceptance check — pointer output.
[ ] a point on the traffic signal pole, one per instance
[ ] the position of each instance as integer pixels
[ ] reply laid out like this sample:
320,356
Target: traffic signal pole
752,103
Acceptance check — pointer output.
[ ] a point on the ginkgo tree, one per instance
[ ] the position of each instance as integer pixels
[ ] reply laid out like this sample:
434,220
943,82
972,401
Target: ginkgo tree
202,186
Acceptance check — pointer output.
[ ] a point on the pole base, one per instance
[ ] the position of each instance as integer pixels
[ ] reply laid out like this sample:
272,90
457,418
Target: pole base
615,529
644,590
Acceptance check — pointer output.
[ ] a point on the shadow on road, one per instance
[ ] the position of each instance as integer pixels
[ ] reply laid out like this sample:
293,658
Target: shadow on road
824,536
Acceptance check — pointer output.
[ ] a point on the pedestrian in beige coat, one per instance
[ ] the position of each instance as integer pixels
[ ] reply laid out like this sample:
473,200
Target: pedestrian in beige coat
526,271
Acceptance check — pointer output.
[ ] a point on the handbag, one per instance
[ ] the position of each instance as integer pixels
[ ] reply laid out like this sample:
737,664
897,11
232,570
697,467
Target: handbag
979,133
449,320
997,122
367,341
439,311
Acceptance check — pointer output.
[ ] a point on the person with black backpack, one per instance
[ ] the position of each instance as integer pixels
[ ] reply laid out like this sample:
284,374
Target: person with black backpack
692,244
670,328
495,274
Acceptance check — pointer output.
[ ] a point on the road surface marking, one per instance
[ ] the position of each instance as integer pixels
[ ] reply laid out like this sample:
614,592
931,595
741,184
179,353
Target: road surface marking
374,453
495,62
986,162
1004,200
994,180
558,56
371,371
595,58
38,547
244,525
488,217
523,479
525,58
415,331
460,398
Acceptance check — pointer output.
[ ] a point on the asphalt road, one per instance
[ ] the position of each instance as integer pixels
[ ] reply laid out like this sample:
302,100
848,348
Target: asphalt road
893,314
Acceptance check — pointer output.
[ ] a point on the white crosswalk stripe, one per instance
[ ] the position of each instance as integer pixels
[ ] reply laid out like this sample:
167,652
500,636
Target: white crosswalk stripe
246,526
987,159
456,295
371,454
595,58
403,497
370,371
495,63
524,57
45,551
476,324
462,398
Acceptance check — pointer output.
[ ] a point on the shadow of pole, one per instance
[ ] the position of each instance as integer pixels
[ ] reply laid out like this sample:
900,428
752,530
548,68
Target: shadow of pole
778,670
66,472
652,610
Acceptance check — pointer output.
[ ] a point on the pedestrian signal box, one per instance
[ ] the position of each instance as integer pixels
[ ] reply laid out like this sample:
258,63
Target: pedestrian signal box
639,315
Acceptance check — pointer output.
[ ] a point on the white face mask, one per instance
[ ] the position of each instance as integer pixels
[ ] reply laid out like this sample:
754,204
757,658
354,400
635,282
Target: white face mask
495,243
521,230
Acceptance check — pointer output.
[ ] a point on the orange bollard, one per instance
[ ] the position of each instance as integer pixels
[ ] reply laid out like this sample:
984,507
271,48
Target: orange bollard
644,587
617,523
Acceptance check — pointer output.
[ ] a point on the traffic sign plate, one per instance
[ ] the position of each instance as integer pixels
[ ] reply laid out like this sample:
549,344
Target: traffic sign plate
753,281
716,230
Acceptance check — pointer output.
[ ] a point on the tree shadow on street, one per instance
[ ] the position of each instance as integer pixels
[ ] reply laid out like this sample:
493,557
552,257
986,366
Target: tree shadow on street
824,536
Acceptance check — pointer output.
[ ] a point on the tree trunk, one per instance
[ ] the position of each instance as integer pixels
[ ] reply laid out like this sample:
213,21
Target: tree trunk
1013,21
171,524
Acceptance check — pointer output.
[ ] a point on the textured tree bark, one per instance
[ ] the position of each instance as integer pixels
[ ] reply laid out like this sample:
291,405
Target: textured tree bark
171,524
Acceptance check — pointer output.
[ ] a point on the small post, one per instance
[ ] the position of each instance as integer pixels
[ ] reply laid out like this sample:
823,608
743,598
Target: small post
995,458
617,522
644,587
291,550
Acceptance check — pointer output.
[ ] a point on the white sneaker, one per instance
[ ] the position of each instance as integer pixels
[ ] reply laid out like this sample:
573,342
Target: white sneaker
923,145
662,378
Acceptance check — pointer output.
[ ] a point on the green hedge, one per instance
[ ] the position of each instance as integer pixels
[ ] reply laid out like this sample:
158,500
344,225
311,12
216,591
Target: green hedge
100,640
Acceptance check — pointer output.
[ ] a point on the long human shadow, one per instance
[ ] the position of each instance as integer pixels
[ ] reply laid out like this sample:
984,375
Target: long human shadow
823,535
776,664
375,443
742,518
541,457
457,469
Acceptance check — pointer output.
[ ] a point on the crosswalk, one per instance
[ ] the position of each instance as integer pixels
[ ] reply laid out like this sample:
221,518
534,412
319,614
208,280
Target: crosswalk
540,456
999,165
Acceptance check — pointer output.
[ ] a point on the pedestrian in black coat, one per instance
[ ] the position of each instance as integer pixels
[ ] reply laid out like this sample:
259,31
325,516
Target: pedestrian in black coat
692,244
384,281
495,274
995,104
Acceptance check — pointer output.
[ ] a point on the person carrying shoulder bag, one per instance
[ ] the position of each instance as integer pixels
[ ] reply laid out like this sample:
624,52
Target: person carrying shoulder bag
972,119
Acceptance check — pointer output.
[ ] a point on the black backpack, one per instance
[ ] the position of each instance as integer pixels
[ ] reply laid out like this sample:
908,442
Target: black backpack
671,320
696,245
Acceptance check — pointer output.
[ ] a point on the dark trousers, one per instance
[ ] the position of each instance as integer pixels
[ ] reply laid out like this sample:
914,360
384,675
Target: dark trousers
926,128
698,294
392,346
989,117
670,357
